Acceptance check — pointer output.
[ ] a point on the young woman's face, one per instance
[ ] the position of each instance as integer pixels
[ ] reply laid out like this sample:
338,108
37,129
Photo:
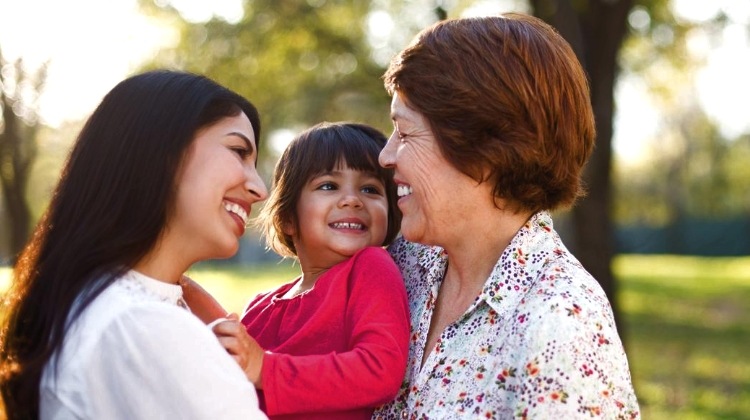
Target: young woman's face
339,213
216,187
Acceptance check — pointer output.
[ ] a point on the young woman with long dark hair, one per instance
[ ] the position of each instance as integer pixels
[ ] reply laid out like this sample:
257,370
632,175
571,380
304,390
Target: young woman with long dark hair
162,175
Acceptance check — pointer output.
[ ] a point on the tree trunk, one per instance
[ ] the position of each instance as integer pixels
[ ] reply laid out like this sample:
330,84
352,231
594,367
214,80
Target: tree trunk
595,30
18,150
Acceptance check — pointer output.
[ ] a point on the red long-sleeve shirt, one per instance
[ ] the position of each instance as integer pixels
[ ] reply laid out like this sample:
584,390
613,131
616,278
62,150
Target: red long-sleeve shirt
338,350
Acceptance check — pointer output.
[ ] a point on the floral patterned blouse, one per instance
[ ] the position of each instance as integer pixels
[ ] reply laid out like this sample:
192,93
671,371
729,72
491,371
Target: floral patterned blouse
538,342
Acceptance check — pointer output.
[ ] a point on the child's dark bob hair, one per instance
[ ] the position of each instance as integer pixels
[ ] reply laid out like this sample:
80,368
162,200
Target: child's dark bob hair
315,151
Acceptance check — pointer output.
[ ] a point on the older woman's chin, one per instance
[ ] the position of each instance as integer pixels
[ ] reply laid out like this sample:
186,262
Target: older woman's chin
414,235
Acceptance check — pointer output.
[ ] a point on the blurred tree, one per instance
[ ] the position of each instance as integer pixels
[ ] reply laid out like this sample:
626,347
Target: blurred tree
693,170
299,62
19,91
596,30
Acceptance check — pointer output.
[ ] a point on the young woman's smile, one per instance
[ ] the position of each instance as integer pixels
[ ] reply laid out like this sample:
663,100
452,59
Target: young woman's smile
216,188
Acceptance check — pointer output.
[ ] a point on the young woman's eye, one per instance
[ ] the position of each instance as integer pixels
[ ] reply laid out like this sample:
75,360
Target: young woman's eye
242,152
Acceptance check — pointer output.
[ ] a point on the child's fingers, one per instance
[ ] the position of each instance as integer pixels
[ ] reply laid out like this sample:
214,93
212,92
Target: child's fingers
241,346
225,326
216,322
235,349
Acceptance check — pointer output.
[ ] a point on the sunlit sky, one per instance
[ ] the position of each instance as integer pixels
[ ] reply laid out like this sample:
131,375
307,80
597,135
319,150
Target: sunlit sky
93,44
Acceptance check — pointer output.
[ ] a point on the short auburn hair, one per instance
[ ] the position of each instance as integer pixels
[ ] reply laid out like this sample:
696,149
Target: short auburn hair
507,101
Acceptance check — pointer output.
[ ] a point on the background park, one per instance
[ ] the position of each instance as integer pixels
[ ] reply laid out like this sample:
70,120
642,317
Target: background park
665,227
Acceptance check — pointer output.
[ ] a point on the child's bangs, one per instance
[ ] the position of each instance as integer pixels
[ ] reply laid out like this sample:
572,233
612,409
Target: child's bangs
353,149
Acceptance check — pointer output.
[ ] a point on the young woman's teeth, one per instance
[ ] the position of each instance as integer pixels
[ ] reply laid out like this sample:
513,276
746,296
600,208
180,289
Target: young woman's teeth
357,226
403,190
236,209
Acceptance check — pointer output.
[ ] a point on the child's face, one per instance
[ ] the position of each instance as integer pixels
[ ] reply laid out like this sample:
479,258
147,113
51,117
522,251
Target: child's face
216,187
339,213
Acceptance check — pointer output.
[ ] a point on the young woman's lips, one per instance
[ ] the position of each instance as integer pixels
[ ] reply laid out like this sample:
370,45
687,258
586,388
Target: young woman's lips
239,211
238,221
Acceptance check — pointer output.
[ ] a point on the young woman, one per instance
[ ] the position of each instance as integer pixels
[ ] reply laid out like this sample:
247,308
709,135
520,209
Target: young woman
161,176
335,338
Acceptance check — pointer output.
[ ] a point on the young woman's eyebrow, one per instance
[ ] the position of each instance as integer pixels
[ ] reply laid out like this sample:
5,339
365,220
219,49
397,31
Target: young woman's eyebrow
243,137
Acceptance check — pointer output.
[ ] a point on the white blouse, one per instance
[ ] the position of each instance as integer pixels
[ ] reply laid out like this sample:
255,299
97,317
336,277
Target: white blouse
133,353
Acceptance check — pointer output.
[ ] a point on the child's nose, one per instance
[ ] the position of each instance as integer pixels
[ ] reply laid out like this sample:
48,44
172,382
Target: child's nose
350,200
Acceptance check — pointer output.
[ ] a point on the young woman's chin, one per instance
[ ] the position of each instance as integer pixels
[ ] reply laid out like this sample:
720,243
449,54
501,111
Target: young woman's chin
223,251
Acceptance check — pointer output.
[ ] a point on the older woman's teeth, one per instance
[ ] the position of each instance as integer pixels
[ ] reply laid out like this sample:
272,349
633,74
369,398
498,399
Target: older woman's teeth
236,209
404,190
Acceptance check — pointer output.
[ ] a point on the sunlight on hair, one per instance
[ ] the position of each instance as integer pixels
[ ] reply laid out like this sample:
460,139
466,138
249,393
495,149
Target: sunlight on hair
5,273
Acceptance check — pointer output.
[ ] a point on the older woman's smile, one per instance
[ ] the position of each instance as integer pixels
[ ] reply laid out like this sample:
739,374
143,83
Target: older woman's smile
404,190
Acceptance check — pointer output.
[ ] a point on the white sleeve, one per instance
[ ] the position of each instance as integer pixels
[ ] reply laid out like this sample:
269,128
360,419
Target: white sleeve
157,361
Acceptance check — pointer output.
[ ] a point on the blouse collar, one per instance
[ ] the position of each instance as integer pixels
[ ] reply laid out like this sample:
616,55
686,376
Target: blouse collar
162,290
514,273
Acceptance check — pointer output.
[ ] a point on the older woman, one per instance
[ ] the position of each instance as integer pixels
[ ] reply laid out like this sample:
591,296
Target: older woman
493,125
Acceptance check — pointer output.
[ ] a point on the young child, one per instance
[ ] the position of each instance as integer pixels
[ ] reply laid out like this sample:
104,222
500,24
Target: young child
336,337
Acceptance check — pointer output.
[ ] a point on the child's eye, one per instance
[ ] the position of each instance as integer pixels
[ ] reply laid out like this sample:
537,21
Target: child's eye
371,189
327,186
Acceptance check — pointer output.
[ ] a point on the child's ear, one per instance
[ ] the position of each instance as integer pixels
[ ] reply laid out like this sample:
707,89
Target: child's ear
289,229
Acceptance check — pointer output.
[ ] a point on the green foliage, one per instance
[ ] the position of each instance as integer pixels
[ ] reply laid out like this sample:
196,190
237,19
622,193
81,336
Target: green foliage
657,36
299,62
692,172
691,169
54,147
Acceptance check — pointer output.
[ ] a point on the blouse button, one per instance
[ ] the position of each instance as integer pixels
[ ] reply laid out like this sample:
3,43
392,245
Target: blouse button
404,415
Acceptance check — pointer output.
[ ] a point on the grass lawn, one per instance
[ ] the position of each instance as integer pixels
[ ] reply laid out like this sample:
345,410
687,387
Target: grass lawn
687,332
686,329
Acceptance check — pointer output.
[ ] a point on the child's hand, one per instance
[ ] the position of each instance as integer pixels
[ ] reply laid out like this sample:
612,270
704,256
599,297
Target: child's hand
243,348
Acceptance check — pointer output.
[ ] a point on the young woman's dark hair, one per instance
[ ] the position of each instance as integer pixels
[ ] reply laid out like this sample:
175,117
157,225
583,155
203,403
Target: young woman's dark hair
108,210
318,150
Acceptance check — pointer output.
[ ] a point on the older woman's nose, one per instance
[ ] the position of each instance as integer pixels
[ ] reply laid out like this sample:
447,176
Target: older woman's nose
387,158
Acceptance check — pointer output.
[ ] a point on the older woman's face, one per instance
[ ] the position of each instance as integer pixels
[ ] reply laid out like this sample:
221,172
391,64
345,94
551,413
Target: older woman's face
434,196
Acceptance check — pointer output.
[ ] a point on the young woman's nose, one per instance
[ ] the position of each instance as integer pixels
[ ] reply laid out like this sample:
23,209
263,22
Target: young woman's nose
255,185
